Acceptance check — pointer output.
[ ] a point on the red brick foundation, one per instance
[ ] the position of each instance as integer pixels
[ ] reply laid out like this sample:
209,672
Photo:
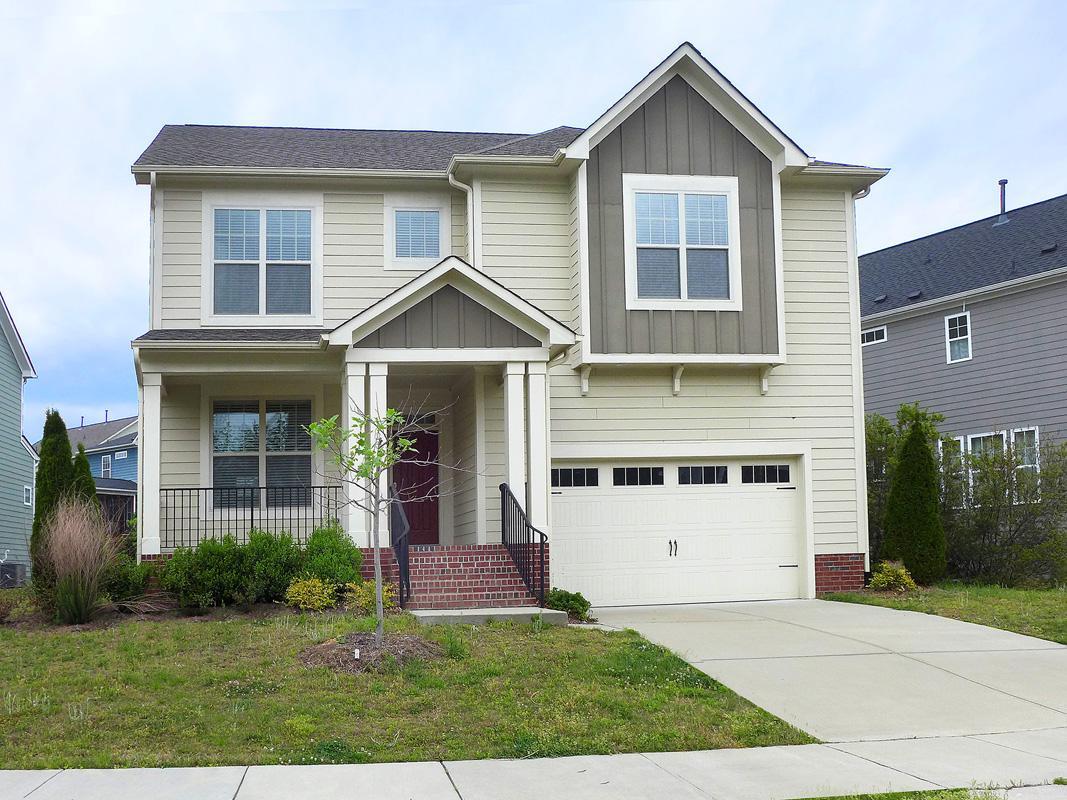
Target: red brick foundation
839,572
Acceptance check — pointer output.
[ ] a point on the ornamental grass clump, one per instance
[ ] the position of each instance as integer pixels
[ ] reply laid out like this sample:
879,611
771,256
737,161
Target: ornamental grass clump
80,554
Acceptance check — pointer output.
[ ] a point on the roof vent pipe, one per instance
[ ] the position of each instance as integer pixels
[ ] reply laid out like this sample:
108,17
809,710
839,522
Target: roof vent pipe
105,415
1003,202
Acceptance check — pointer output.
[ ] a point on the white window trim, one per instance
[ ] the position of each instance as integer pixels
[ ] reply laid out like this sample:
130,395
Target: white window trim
105,465
27,495
263,201
681,184
416,201
970,448
120,454
970,343
1037,447
884,331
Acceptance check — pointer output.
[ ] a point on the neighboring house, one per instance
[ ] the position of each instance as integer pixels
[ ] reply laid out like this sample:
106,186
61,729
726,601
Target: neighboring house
18,460
647,329
111,447
969,322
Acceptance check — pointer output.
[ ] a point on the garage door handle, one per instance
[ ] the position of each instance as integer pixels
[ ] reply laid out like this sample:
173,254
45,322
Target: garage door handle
786,488
788,566
672,547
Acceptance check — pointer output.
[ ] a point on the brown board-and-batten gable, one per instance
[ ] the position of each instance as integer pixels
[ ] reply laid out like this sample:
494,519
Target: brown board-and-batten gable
448,318
677,132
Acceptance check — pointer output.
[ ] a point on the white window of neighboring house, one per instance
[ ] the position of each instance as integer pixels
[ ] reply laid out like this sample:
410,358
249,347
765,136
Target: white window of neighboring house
950,454
262,258
27,495
105,466
418,229
121,454
682,244
261,443
1025,445
958,337
984,445
873,336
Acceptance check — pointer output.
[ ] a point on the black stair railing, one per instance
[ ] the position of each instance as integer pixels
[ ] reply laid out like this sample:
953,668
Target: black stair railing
524,542
399,531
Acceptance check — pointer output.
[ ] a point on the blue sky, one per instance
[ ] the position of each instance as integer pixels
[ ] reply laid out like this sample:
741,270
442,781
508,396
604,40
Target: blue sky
951,95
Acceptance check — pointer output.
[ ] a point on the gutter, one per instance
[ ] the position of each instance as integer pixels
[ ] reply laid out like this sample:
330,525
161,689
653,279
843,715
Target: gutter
1013,286
469,192
175,345
143,172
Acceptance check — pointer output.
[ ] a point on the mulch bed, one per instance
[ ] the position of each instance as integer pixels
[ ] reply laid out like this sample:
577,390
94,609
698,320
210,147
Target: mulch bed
396,650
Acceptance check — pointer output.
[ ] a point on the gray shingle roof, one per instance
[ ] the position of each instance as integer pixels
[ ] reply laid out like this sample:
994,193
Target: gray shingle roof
105,485
1032,241
326,148
233,335
93,434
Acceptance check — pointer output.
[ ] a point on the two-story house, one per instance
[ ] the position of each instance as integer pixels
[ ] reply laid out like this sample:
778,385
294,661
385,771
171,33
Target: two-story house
641,338
967,323
18,459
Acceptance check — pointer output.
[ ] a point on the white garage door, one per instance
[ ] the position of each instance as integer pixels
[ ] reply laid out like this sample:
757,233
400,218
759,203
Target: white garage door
629,533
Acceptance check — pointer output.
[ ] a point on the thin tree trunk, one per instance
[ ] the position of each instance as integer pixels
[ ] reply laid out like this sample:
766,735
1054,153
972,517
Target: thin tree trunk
379,631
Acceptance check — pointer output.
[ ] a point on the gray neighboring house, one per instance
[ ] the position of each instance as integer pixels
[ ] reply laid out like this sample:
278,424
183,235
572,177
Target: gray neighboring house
971,322
18,461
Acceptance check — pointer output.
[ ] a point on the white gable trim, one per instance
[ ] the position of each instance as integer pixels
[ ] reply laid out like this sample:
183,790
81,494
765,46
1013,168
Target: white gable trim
14,340
713,86
472,282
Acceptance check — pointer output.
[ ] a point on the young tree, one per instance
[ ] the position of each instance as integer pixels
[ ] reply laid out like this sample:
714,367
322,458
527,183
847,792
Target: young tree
913,530
364,452
83,486
55,474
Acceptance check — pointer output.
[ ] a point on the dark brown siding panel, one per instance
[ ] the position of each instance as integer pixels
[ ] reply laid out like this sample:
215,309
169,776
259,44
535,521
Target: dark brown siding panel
676,132
448,318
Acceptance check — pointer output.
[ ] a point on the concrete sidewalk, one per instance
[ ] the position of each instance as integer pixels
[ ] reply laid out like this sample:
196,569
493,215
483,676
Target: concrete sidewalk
765,773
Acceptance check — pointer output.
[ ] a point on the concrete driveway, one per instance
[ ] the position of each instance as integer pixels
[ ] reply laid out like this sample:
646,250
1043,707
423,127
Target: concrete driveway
845,672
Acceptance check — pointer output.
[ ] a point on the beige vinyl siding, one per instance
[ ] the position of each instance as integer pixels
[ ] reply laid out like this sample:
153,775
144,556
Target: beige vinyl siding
465,456
526,241
575,241
353,275
495,453
179,442
180,259
809,399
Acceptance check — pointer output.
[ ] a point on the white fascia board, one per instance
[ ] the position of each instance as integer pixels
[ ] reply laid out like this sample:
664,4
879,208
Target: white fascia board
120,431
472,282
29,449
142,173
693,449
14,339
735,359
713,86
1014,286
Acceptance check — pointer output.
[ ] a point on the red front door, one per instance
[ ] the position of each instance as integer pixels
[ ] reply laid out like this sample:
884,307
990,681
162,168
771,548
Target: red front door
418,480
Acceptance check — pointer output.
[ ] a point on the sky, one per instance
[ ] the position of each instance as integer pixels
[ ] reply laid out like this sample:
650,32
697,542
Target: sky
951,95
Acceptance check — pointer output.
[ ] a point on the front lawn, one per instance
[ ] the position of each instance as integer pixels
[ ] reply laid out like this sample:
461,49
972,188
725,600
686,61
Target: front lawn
230,689
1034,612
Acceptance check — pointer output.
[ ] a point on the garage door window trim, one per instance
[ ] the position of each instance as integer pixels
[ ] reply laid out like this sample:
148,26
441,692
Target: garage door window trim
765,473
706,475
637,476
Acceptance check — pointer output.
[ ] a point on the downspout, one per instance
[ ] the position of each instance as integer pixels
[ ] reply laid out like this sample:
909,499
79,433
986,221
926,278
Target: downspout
151,249
467,190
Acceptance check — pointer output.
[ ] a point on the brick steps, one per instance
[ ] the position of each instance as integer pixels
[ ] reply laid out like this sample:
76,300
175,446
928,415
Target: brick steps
465,576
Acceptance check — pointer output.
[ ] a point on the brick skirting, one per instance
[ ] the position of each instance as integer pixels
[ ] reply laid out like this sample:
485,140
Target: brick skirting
839,572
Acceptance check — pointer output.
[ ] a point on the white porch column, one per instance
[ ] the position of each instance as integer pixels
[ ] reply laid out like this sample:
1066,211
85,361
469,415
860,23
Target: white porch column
515,428
537,458
354,401
148,519
377,405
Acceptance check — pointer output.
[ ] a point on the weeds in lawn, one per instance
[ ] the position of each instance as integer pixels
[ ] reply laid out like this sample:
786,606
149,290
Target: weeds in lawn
30,701
78,711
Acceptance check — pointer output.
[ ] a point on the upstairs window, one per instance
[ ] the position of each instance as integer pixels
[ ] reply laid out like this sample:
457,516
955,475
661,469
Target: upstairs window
105,466
262,262
958,337
873,336
417,229
682,242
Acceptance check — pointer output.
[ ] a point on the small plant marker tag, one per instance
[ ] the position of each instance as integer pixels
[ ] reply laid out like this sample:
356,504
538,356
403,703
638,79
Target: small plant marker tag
355,654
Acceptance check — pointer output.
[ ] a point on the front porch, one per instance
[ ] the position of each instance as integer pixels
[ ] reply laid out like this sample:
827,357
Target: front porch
225,448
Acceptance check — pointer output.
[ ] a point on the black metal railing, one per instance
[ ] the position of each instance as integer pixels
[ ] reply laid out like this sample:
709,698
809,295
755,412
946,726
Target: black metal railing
399,538
524,542
188,516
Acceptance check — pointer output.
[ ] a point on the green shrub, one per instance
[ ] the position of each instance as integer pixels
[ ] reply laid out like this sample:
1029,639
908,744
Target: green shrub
126,579
892,576
360,597
182,577
269,564
209,575
913,529
80,553
574,603
55,476
331,556
311,594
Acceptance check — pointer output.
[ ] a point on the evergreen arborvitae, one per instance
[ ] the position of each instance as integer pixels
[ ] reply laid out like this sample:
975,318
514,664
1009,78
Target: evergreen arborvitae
55,475
913,531
84,486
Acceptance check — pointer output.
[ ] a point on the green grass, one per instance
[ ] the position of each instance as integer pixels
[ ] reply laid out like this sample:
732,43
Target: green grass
230,690
934,794
1034,612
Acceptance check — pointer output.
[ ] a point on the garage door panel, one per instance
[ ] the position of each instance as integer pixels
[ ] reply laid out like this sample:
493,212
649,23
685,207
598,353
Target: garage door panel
677,544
